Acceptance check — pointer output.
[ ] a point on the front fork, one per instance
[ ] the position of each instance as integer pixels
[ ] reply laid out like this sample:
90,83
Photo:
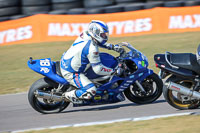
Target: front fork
140,86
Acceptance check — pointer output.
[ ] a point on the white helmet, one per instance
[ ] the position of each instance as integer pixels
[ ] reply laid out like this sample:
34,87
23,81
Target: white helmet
99,31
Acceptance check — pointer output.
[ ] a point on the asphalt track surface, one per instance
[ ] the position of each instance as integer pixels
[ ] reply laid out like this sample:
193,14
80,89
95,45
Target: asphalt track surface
17,114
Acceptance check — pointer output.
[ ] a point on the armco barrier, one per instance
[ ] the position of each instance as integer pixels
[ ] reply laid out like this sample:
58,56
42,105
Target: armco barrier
48,28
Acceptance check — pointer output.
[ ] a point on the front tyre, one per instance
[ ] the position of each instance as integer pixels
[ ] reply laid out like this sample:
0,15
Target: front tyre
153,86
42,105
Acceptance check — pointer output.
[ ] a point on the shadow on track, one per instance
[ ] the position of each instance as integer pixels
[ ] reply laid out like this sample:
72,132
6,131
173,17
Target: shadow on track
108,107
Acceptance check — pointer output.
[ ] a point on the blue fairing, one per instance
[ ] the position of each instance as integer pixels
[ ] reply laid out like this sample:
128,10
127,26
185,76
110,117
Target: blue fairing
107,60
140,60
47,68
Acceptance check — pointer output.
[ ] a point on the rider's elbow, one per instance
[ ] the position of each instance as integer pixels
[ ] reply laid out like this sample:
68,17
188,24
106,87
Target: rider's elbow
97,69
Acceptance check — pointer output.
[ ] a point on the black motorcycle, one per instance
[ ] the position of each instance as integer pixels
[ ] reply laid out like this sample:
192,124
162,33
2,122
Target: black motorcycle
182,86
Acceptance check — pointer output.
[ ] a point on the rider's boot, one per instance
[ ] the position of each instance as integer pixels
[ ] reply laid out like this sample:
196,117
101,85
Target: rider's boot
88,94
71,96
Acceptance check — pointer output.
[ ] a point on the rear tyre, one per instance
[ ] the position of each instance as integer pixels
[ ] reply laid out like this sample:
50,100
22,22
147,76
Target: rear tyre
42,105
150,5
76,11
97,3
94,11
66,6
17,17
191,3
8,11
31,10
113,9
173,4
175,99
35,2
9,3
153,86
5,18
58,12
134,7
127,1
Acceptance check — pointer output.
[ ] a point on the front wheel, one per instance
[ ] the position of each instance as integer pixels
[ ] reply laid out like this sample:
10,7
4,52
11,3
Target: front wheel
153,86
43,105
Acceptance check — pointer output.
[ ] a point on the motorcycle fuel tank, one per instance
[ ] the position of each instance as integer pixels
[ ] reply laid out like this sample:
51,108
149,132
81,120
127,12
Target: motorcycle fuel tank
107,60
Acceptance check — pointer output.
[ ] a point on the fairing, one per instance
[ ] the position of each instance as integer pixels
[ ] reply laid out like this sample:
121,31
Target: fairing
107,60
47,68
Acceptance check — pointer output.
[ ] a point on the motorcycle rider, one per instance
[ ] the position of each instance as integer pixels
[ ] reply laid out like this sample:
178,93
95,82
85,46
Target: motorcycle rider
84,52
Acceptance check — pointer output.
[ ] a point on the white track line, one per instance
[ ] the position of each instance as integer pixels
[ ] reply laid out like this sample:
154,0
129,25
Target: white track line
161,116
105,122
101,122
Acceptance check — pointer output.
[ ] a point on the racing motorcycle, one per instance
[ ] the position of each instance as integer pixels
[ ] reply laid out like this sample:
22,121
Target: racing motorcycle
132,79
182,86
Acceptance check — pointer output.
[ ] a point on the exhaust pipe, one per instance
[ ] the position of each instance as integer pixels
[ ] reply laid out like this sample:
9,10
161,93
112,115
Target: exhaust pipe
183,90
48,96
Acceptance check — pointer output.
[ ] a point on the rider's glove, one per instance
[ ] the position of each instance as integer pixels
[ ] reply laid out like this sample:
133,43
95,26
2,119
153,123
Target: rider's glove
118,49
109,46
118,71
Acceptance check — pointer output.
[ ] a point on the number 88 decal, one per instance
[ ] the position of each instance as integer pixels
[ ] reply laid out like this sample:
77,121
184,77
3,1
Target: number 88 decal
45,62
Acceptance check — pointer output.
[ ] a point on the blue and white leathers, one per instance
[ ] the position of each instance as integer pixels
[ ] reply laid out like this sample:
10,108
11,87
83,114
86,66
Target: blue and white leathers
83,53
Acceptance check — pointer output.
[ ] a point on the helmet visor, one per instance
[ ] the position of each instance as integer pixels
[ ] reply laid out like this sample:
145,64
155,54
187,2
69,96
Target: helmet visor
104,35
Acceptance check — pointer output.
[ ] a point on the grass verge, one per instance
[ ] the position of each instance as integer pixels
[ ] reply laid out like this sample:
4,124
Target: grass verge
15,76
179,124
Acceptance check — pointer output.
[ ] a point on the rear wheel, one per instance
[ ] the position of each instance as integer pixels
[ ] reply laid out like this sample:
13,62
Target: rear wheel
178,100
153,86
42,105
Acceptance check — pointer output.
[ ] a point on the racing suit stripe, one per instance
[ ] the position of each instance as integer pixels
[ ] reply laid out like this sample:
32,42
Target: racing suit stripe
77,80
84,59
77,43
